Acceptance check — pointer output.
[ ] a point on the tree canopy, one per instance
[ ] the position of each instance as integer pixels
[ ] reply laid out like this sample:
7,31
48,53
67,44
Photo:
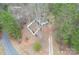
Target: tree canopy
67,23
9,24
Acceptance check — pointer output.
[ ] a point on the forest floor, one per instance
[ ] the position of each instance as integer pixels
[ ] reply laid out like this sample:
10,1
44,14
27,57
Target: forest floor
27,41
62,49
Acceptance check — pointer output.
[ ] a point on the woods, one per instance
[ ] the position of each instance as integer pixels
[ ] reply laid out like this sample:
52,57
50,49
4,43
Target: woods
8,23
67,23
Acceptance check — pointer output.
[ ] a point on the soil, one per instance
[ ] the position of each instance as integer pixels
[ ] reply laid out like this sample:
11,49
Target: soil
25,45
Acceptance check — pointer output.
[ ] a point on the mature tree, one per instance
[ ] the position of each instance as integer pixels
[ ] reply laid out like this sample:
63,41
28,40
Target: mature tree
67,23
9,24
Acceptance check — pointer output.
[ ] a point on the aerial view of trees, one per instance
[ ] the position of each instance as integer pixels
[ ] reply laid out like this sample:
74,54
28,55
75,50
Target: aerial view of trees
8,23
67,23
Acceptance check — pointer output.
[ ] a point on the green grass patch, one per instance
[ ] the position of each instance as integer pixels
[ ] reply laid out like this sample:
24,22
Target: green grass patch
37,46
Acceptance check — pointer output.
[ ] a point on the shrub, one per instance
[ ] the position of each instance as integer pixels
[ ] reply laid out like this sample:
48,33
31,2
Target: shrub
37,46
10,25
